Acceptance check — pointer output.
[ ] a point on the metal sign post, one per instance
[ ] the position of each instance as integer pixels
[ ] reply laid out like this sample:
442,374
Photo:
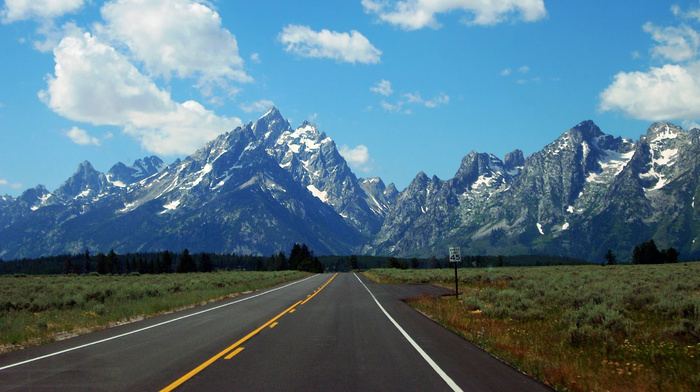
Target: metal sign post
455,257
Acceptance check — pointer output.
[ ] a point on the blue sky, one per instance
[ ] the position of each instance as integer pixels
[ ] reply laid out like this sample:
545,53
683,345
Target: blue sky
401,86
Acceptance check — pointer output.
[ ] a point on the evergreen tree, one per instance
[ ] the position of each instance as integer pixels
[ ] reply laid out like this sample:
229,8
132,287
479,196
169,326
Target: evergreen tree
670,255
67,266
354,263
112,262
186,263
610,257
166,264
101,266
415,263
392,262
87,261
646,253
434,262
295,257
282,263
205,263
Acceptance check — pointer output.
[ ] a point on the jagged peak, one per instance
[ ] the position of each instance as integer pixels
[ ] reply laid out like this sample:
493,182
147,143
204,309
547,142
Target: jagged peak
589,130
663,130
272,112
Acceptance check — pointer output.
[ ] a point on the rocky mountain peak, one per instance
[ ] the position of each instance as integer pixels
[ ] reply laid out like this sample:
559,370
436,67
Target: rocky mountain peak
514,160
86,182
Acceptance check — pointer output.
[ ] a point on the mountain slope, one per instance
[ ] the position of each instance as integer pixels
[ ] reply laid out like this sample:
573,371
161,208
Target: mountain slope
264,186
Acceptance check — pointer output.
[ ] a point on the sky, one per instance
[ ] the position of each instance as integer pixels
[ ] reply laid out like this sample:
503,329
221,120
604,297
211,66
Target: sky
402,86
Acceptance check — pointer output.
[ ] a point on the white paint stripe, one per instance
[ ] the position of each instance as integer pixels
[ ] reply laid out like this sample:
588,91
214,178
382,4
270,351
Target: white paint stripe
149,327
415,345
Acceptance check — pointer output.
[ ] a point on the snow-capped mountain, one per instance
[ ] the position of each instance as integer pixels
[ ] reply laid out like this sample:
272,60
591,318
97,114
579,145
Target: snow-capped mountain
583,194
266,185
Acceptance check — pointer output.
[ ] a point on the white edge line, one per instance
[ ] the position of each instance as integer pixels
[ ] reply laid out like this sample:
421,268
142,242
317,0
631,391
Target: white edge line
415,345
149,327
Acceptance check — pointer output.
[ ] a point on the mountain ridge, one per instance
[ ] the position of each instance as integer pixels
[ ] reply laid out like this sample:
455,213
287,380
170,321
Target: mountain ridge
265,185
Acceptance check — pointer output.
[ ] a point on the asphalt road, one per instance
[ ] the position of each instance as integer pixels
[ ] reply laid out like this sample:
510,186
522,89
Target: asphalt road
324,333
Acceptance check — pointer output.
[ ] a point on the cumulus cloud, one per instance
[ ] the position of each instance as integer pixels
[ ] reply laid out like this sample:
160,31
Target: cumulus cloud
6,183
417,14
81,137
176,37
259,106
668,92
350,47
16,10
383,87
94,83
357,157
665,93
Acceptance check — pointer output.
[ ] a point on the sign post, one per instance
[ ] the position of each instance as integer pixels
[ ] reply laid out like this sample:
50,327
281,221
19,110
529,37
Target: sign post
455,257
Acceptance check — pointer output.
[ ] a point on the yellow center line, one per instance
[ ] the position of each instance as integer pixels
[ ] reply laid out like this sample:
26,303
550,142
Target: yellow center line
221,354
320,288
213,359
273,324
234,353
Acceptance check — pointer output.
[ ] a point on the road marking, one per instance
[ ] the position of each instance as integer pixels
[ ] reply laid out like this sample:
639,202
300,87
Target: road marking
320,288
415,345
149,327
235,352
213,359
274,324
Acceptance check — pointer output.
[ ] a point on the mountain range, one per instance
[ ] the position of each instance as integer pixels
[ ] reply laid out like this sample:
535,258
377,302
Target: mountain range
264,186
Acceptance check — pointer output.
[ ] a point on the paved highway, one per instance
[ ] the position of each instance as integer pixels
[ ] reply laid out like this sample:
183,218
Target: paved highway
324,333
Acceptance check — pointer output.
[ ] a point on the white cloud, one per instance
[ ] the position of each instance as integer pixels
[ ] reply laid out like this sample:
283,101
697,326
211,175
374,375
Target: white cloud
524,69
16,10
383,87
94,83
259,106
353,47
255,57
176,37
441,99
81,137
358,157
666,93
9,184
417,14
506,72
674,43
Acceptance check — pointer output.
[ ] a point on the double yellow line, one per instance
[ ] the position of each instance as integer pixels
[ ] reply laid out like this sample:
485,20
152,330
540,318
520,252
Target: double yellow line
235,347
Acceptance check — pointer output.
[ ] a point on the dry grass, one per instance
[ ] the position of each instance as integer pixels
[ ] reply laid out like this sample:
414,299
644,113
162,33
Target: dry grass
40,309
582,328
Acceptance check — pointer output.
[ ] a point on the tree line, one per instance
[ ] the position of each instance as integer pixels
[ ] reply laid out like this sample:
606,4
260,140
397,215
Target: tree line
301,258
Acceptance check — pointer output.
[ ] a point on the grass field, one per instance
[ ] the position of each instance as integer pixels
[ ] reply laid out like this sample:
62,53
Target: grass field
577,328
39,309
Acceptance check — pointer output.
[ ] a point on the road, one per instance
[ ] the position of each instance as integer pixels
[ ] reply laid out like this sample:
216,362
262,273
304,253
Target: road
324,333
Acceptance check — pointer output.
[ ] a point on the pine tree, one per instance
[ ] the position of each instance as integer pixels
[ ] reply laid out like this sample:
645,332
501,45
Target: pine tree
87,261
112,262
166,264
101,266
67,266
186,263
205,263
610,257
354,264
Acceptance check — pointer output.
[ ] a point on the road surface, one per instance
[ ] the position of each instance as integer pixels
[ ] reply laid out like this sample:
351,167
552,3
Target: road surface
323,333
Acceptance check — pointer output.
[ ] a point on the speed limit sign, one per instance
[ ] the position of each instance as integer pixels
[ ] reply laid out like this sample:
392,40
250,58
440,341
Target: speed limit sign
455,254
